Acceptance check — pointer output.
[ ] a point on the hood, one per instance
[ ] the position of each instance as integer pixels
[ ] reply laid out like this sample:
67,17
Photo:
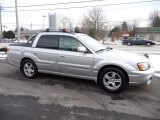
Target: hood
122,55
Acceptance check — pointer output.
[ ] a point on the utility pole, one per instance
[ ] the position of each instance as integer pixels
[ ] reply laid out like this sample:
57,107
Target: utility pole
17,21
43,20
31,25
1,23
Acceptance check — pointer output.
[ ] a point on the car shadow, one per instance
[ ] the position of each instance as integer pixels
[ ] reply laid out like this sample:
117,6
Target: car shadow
72,83
83,85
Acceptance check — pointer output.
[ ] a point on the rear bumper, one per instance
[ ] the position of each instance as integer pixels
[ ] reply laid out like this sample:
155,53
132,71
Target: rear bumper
141,77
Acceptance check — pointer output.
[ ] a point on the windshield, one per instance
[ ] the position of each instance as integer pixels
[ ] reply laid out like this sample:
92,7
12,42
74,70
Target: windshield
92,43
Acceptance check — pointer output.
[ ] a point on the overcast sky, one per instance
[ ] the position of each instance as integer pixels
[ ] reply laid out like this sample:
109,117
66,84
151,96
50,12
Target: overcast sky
114,14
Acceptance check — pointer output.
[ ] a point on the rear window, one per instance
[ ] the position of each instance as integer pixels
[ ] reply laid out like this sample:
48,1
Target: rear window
48,41
30,42
132,38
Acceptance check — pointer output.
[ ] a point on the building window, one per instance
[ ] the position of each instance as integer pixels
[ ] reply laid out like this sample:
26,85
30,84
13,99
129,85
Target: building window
152,38
141,36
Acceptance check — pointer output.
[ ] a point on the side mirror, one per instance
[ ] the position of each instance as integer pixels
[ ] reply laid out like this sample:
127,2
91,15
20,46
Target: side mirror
81,49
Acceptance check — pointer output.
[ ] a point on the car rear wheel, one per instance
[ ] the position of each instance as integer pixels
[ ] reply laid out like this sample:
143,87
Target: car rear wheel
113,79
29,69
129,44
148,44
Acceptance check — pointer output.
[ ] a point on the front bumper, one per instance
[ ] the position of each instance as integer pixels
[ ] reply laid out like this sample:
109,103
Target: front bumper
141,77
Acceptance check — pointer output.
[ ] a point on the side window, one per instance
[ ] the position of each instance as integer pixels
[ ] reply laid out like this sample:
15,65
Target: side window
139,39
48,41
69,43
133,38
30,42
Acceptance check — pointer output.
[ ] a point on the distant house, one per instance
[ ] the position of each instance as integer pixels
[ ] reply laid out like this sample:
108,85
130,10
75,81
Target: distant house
119,35
149,33
26,34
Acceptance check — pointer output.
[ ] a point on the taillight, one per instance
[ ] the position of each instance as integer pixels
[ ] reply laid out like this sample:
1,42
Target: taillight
3,49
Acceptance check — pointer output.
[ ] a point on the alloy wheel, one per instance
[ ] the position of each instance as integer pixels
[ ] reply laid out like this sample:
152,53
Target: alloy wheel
28,69
112,80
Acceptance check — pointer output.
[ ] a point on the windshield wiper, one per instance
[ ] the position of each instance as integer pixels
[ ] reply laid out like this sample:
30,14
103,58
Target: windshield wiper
100,50
108,48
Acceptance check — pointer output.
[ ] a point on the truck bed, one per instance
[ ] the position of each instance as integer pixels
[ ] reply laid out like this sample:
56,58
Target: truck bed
18,44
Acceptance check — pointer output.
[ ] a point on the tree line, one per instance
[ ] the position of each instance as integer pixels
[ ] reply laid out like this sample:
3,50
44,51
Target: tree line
11,34
94,24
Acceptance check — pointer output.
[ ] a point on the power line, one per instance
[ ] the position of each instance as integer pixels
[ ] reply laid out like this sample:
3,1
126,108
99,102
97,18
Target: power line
26,24
128,3
130,20
53,4
103,22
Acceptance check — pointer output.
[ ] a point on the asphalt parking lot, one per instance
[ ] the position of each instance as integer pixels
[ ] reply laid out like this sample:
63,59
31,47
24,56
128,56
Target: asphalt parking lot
51,97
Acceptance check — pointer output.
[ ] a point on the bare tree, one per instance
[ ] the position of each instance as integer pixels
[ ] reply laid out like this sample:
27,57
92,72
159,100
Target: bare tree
94,22
132,28
124,26
155,18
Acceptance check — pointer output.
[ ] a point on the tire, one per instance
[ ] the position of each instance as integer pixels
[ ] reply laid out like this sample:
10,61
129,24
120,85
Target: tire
148,44
31,71
113,80
129,44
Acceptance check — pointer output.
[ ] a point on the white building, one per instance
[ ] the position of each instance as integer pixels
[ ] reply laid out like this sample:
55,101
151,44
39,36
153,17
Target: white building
59,22
24,35
149,33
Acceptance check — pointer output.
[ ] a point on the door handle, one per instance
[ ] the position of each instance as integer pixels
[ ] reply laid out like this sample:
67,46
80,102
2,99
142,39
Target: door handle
62,56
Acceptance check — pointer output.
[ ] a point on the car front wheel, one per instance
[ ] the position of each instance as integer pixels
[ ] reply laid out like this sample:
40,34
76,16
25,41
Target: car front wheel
148,44
29,69
113,79
129,44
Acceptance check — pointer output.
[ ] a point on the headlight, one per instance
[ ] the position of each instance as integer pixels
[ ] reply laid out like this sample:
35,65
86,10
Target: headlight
143,66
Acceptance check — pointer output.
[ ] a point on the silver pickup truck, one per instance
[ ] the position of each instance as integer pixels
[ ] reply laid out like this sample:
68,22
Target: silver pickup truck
78,55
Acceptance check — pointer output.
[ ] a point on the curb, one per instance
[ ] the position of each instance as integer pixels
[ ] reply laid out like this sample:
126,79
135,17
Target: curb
2,58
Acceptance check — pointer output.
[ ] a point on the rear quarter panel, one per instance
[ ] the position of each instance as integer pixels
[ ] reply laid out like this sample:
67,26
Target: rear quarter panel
14,55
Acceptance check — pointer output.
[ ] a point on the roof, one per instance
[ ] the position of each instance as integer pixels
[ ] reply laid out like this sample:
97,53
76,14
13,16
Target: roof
59,33
42,31
148,30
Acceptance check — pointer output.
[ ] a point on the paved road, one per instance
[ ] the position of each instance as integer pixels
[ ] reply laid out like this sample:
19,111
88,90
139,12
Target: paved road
51,97
138,49
4,45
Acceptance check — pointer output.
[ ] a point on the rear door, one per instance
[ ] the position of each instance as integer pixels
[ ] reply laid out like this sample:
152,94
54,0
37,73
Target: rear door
133,40
70,61
46,52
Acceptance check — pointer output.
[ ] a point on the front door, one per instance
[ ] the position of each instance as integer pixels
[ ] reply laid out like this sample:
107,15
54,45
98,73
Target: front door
140,41
70,61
